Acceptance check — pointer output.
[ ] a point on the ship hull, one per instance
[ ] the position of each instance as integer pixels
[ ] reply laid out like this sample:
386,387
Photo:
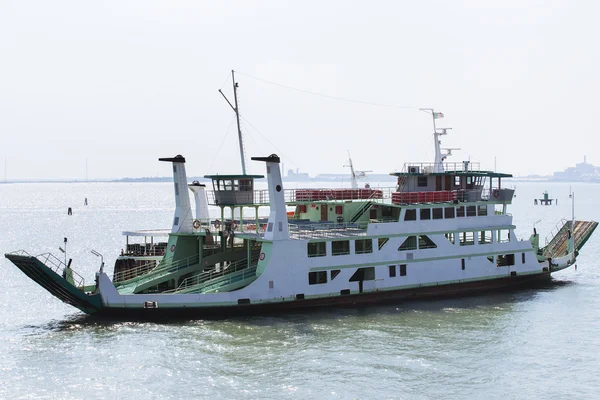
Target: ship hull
193,311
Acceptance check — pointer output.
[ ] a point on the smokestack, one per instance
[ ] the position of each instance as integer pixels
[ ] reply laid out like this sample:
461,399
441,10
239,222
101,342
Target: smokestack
277,227
200,198
182,220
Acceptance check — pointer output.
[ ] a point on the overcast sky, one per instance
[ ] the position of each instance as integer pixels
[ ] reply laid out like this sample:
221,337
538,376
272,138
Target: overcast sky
121,83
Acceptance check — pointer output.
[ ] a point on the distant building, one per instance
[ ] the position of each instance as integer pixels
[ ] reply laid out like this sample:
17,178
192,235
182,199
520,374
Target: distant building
580,172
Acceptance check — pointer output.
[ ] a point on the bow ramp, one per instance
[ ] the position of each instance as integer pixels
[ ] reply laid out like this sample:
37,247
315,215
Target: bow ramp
558,244
57,278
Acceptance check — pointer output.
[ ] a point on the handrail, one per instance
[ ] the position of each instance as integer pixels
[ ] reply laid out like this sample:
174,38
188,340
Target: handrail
163,266
207,276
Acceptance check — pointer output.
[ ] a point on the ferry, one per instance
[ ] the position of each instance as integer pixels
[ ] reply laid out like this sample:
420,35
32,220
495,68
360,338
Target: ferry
443,229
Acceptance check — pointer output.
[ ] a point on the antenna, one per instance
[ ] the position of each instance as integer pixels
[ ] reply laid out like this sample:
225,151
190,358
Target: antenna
94,252
438,165
237,116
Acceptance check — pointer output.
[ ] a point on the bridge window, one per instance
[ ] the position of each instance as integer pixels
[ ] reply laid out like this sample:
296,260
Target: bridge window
460,211
409,244
410,215
363,246
449,212
422,181
482,211
437,213
471,211
316,249
340,247
317,278
425,213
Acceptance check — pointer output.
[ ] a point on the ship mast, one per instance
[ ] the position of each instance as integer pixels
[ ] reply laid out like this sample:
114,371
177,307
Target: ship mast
438,162
237,116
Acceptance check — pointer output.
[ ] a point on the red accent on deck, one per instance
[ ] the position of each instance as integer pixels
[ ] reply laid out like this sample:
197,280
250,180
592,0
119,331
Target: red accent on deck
423,197
337,194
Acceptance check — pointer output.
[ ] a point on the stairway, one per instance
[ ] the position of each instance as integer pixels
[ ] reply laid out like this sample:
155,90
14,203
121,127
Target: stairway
360,211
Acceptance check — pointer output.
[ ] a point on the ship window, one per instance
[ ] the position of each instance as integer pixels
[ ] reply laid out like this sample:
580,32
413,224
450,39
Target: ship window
176,189
437,213
504,260
409,244
316,278
245,185
270,227
422,181
467,238
426,243
503,236
482,210
450,237
402,269
174,168
449,212
471,211
362,246
176,221
334,273
316,249
490,258
425,213
485,237
382,241
363,274
460,211
522,258
392,269
340,247
462,263
410,215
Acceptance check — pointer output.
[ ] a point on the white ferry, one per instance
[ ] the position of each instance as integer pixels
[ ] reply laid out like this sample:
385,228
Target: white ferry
443,230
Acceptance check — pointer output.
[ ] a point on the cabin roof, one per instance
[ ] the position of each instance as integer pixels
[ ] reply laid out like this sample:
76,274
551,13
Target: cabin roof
490,174
214,177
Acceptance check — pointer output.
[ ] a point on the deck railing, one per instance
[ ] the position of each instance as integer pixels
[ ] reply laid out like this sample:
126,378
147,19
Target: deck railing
207,276
56,265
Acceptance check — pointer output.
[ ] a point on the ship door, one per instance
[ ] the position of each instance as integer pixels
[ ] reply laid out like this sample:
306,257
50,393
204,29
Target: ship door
448,183
324,212
438,183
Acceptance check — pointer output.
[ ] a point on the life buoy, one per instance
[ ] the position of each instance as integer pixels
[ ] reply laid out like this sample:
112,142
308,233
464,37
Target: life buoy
261,256
496,193
197,224
172,248
217,223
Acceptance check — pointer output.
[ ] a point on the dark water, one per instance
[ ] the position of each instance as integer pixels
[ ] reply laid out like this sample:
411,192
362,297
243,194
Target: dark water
540,343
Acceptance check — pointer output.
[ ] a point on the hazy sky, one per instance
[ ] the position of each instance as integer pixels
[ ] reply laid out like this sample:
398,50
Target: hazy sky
122,83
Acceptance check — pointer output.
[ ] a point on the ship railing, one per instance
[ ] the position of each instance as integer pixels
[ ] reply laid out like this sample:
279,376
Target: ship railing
554,231
135,272
328,230
428,167
165,266
58,266
209,275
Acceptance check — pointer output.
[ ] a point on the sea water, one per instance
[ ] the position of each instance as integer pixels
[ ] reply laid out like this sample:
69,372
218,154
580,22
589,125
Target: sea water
529,344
